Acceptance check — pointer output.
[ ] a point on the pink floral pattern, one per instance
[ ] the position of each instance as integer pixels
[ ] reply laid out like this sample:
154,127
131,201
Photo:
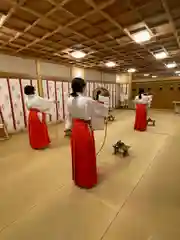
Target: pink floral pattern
65,94
5,105
25,82
45,92
59,98
17,103
87,88
91,89
51,86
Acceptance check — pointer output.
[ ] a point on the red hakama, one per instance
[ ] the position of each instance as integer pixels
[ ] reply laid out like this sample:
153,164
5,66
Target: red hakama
84,171
141,117
38,132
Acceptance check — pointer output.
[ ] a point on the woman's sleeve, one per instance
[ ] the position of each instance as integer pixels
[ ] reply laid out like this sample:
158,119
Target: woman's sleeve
98,109
44,104
136,100
68,119
27,105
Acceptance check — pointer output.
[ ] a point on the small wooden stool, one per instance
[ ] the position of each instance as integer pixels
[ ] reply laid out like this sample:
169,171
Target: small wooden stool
67,133
122,148
151,122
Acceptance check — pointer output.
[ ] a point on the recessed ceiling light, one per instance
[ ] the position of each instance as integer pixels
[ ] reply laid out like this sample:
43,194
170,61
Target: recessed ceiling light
171,65
154,76
2,19
146,74
131,70
160,55
110,64
78,54
142,36
177,72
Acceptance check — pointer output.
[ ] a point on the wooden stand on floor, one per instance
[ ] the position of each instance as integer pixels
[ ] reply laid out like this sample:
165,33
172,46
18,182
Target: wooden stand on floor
3,130
121,147
151,122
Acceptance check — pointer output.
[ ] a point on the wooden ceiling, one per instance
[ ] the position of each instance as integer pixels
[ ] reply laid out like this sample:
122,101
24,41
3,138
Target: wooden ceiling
51,29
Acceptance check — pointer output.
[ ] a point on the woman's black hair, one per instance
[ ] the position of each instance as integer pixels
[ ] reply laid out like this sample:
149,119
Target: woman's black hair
77,85
29,90
97,95
141,91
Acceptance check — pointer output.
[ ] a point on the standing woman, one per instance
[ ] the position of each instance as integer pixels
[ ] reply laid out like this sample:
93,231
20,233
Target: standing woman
37,128
141,102
80,113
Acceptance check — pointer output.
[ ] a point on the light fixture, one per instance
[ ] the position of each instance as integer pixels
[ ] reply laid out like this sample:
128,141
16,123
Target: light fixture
2,19
142,36
160,55
131,70
146,75
154,76
171,65
110,64
177,72
78,54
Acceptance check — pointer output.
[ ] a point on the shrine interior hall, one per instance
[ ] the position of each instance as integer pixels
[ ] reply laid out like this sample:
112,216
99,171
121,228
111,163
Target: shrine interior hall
119,46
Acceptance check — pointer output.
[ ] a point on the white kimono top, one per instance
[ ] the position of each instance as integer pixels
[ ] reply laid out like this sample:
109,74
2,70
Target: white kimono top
39,103
84,108
143,100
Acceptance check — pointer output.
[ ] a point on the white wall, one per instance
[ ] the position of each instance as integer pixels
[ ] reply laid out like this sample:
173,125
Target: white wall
54,70
109,77
11,64
92,75
17,65
77,72
124,78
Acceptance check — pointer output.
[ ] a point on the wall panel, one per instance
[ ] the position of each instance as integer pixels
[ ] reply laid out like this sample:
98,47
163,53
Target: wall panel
46,95
60,105
23,83
17,65
17,104
52,95
6,104
164,92
12,99
54,70
65,97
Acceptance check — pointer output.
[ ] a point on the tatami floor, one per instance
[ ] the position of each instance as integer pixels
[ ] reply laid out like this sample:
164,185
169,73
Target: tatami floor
138,197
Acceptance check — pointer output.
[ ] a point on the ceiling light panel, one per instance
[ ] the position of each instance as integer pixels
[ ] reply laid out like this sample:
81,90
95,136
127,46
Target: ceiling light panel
142,36
110,64
160,55
131,70
171,65
78,54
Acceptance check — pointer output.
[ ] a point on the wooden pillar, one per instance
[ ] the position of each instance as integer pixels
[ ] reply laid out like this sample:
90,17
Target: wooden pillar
39,79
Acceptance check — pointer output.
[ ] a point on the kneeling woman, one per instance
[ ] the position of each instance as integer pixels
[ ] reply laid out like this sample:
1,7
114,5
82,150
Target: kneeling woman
37,128
141,102
80,113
